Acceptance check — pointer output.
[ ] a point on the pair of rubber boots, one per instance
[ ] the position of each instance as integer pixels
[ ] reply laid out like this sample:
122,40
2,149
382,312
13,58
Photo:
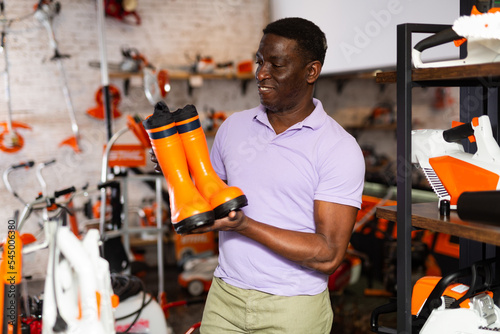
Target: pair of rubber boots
180,146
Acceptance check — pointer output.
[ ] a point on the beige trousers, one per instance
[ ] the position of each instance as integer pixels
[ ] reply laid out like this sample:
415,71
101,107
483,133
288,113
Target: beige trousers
233,310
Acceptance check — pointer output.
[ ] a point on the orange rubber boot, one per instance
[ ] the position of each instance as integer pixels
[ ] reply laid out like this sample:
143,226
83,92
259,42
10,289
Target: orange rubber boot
189,209
222,198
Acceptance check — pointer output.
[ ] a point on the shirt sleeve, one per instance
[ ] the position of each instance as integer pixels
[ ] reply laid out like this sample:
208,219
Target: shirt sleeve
341,174
216,154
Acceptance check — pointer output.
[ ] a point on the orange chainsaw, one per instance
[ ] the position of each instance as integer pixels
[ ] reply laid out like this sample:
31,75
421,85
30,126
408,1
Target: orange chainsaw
480,30
446,305
464,301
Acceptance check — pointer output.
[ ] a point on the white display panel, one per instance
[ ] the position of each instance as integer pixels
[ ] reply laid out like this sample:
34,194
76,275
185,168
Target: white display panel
362,34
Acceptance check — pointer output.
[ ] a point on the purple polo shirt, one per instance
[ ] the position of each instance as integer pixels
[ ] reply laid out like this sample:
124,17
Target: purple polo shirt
282,175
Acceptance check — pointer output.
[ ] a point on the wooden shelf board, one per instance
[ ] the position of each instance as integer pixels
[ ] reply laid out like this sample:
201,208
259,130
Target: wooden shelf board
386,77
179,75
426,216
375,127
465,72
370,75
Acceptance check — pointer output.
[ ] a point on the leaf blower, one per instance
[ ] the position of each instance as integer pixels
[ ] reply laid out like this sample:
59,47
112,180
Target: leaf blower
448,168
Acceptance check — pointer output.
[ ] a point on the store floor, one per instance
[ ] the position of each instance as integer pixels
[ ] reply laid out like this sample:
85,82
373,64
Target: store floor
352,308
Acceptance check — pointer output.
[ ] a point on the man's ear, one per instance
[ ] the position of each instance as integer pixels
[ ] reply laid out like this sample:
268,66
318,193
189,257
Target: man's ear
313,71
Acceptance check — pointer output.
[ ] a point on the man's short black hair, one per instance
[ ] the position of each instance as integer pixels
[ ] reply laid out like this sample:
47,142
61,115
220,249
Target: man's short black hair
309,37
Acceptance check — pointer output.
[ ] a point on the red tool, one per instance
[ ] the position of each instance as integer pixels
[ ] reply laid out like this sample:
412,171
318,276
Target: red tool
121,9
99,111
10,140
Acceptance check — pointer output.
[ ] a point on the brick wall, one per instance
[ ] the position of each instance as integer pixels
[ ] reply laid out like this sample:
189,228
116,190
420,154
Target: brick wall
171,34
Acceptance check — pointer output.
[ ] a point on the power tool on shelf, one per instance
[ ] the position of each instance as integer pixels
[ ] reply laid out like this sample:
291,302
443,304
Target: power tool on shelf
464,301
445,304
448,168
481,31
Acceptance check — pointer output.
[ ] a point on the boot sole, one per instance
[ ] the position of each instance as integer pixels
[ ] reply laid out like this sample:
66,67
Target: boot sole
232,205
190,223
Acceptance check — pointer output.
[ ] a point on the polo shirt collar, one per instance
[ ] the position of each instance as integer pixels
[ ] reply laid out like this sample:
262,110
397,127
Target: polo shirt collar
313,121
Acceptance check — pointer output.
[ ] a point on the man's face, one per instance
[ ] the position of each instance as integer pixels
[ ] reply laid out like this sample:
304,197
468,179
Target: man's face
281,74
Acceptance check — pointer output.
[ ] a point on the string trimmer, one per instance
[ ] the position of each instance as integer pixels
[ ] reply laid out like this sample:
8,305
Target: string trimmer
10,140
45,12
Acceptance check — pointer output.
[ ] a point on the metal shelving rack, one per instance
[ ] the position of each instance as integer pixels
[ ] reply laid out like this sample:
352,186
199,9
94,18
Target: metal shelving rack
485,76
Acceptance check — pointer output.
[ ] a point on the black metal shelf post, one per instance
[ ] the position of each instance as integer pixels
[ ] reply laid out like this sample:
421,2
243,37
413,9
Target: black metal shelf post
404,167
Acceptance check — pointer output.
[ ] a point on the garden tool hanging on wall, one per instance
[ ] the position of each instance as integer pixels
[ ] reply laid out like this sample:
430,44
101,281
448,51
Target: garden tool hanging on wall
45,13
156,84
481,30
123,10
10,140
156,80
99,111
